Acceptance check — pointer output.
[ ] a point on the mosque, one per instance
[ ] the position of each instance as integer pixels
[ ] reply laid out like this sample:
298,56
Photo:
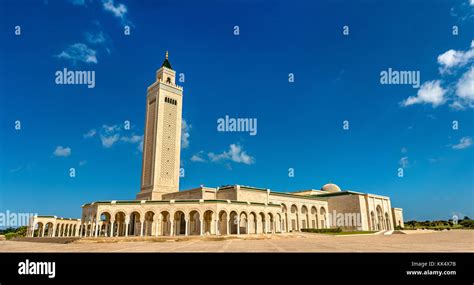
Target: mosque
161,209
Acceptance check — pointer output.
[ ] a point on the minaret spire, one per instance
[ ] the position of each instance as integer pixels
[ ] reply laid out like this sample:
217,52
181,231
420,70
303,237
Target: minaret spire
166,63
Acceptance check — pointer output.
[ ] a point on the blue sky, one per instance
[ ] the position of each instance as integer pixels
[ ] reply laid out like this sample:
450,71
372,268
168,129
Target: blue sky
300,123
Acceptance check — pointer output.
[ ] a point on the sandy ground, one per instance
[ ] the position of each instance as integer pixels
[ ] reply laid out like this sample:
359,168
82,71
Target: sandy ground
447,241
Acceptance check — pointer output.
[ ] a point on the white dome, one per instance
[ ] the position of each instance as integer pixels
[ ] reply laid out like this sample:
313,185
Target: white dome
330,187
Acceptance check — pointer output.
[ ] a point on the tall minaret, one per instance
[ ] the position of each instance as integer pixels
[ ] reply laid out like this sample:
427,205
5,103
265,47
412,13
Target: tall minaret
162,140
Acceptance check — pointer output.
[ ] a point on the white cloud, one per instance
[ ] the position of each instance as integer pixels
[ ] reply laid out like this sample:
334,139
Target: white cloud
430,92
82,162
185,134
235,154
109,141
118,10
110,129
62,151
90,133
132,139
404,150
471,2
197,157
98,38
465,142
403,162
455,58
465,85
79,52
111,134
457,106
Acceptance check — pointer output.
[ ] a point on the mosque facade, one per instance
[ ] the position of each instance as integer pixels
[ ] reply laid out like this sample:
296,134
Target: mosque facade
161,209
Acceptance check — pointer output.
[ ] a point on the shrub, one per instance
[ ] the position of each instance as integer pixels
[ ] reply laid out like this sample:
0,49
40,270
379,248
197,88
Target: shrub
333,230
467,223
10,235
21,231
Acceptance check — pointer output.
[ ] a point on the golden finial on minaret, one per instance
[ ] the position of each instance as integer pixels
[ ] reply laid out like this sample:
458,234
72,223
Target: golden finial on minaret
166,54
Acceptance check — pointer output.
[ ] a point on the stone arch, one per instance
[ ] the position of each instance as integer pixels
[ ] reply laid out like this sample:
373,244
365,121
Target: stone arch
119,225
243,219
208,222
294,218
252,220
195,221
179,220
48,229
304,217
135,225
165,226
323,213
57,230
71,230
315,218
262,223
278,223
148,223
105,218
233,217
63,230
387,221
378,209
223,224
270,223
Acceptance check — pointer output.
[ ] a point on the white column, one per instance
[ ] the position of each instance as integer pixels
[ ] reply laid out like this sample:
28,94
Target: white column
158,227
248,229
172,227
141,228
186,225
126,228
96,229
238,225
227,228
200,226
112,228
216,227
